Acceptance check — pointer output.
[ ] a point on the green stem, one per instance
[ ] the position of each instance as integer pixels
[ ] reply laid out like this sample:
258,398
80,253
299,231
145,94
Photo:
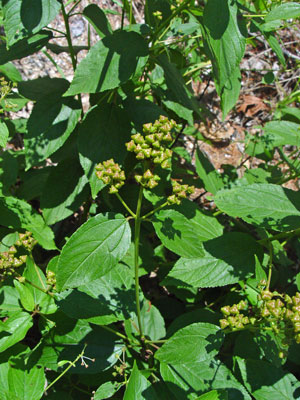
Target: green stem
130,13
107,328
283,235
270,266
125,205
137,230
68,35
168,20
72,364
154,211
35,286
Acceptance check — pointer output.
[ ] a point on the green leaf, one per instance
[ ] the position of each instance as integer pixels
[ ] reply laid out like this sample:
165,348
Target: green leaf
49,126
231,91
64,191
9,299
194,343
266,382
275,46
157,5
11,72
93,250
23,18
177,87
106,390
226,260
282,133
26,384
97,19
4,134
214,395
138,387
67,340
9,168
33,183
102,122
142,111
105,300
4,367
109,63
152,322
25,295
284,11
43,88
24,47
184,229
224,43
14,329
266,205
207,173
35,275
199,377
19,214
188,318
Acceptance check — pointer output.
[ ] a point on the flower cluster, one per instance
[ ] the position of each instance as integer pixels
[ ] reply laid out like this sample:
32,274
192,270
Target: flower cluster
51,278
9,260
179,192
111,174
152,146
26,240
279,312
148,179
234,319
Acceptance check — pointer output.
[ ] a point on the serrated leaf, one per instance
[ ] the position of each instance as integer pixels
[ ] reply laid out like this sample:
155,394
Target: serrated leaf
93,250
138,388
284,11
99,124
207,173
64,191
266,382
224,42
199,377
226,260
282,133
35,275
17,214
106,390
24,47
152,322
177,87
184,229
105,300
14,329
24,383
9,168
109,63
44,87
25,295
97,19
11,72
4,134
49,126
266,205
194,343
9,299
67,340
214,395
24,18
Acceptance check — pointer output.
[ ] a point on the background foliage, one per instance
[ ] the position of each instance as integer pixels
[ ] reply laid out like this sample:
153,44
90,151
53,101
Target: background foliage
152,292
